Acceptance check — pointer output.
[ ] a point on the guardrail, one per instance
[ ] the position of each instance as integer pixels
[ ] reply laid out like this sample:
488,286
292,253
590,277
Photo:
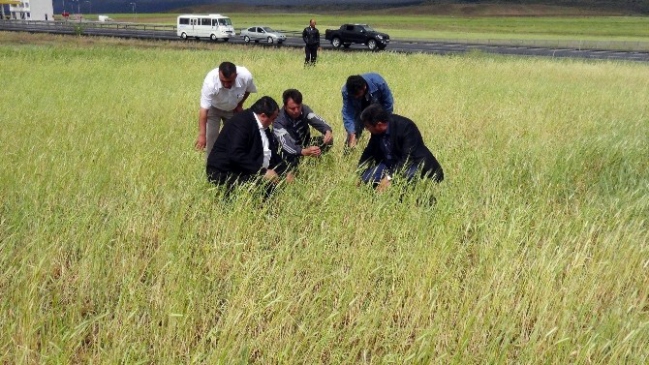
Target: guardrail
110,25
88,24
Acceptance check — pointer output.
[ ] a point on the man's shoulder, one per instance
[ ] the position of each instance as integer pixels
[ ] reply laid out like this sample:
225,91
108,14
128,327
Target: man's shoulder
212,76
373,76
400,119
243,72
282,118
243,117
306,109
401,123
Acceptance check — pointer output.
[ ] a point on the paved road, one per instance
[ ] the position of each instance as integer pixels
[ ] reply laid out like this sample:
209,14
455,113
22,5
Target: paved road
165,32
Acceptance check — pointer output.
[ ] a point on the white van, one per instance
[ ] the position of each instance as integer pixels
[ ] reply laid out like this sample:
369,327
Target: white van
212,26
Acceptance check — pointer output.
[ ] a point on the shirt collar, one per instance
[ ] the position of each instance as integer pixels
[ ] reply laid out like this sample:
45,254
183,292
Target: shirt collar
261,126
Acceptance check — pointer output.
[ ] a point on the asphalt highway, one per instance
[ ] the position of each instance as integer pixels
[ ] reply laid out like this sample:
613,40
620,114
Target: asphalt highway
153,32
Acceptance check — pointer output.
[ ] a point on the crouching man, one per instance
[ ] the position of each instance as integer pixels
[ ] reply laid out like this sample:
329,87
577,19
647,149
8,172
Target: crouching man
395,147
292,129
246,151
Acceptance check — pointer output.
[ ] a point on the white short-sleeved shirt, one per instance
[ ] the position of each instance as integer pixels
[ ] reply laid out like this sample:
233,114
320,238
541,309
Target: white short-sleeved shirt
214,94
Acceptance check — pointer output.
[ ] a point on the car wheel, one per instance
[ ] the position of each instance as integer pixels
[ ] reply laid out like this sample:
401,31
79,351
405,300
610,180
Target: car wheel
371,44
335,42
246,39
183,35
346,45
269,40
213,37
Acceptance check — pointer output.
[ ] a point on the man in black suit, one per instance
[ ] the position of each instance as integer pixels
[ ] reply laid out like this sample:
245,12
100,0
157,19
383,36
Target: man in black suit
246,150
395,147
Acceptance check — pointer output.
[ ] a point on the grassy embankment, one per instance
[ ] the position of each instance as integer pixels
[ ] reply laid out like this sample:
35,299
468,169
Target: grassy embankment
114,249
594,32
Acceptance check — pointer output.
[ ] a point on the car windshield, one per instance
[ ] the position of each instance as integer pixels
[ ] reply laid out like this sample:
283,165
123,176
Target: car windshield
268,30
225,21
368,28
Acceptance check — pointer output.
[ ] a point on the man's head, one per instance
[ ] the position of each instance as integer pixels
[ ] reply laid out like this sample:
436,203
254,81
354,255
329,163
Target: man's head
292,103
266,109
312,23
375,119
356,86
227,74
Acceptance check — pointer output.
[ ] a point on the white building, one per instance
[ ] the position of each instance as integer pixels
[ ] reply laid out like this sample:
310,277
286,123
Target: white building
31,9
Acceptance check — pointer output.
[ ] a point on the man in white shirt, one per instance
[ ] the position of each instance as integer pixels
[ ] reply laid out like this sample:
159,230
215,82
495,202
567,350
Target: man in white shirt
224,91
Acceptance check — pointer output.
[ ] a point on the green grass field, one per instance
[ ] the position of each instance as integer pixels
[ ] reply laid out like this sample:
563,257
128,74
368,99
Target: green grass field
114,249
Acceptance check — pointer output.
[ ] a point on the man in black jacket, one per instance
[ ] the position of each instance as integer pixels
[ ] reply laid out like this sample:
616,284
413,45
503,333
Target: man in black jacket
246,150
395,147
311,38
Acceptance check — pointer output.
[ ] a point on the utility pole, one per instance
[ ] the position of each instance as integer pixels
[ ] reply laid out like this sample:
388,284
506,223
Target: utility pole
133,6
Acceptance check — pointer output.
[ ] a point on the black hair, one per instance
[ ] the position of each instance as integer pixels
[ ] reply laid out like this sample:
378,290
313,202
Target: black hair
374,114
265,105
355,84
294,94
227,69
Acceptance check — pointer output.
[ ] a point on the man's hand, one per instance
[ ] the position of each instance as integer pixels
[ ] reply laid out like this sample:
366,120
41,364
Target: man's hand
328,138
238,108
200,142
383,185
290,177
351,140
311,151
271,175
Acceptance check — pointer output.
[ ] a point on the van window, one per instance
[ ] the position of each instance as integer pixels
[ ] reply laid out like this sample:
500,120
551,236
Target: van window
183,21
225,21
206,21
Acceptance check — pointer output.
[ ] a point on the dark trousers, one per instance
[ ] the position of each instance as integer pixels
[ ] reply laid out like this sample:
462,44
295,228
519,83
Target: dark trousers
230,183
311,54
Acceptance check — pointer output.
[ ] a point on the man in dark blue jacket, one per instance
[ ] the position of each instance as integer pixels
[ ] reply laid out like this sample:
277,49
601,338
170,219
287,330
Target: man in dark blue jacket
246,150
359,92
395,147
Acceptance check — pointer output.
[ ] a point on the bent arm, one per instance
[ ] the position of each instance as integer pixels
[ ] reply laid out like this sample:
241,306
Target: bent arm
348,113
287,142
387,101
202,127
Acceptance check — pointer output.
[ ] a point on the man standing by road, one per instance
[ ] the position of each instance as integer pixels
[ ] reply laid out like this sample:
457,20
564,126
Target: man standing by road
292,129
311,37
224,91
358,93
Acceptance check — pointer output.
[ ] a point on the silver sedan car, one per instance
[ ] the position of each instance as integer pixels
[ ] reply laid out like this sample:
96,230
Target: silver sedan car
264,34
